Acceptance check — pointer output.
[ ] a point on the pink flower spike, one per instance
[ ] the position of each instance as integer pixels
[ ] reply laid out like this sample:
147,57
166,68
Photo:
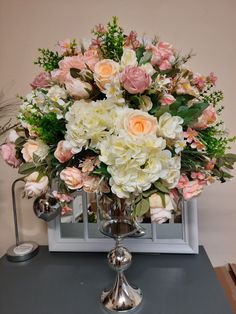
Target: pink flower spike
190,135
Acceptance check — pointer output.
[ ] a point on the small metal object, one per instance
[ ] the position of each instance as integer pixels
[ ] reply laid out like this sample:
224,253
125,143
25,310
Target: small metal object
46,207
21,251
140,231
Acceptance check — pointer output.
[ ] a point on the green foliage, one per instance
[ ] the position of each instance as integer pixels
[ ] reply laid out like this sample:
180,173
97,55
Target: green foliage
112,40
192,160
147,56
48,127
141,207
215,141
48,59
139,52
180,108
102,170
214,98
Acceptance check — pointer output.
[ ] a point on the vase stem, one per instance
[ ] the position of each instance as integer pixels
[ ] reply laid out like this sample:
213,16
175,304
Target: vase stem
123,297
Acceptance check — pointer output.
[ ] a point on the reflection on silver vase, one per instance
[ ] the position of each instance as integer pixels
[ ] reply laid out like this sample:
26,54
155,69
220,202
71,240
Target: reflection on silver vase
115,221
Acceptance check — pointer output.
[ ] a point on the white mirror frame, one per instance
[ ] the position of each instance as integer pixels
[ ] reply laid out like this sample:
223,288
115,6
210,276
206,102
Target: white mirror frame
187,245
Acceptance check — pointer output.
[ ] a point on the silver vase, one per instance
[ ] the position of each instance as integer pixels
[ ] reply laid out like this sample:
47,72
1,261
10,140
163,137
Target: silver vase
115,221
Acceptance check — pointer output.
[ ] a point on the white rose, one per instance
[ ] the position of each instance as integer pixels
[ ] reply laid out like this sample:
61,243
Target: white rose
56,92
148,68
128,58
78,89
169,126
158,212
33,187
36,147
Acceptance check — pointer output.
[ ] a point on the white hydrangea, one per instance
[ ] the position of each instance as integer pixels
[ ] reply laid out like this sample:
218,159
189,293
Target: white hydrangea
89,122
135,164
169,126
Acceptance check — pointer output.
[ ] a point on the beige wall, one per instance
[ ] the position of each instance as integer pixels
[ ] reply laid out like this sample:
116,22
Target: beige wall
206,26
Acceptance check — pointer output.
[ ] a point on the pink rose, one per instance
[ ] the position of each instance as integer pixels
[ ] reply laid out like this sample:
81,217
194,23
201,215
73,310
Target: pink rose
91,58
207,118
9,155
63,151
63,73
192,189
167,99
72,177
135,80
42,80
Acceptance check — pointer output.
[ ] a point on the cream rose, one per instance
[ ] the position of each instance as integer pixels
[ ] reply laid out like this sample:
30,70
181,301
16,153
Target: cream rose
36,147
160,213
146,103
72,177
128,58
35,187
137,122
104,72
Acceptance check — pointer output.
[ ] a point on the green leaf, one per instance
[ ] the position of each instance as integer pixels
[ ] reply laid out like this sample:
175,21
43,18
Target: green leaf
147,56
75,73
102,170
139,52
162,196
149,193
27,168
20,141
161,187
142,207
36,159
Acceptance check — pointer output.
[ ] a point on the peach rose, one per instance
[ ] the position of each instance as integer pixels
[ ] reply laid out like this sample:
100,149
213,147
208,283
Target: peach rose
72,177
35,187
104,72
63,151
160,213
9,155
207,118
135,79
137,122
36,147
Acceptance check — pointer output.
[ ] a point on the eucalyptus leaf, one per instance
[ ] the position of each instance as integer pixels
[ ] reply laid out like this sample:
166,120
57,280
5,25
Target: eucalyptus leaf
149,193
161,187
27,168
142,207
147,56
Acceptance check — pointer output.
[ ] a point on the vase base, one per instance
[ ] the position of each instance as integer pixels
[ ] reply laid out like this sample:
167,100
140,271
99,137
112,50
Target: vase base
122,298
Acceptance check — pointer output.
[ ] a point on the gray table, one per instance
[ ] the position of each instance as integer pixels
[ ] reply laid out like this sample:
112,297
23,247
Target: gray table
71,283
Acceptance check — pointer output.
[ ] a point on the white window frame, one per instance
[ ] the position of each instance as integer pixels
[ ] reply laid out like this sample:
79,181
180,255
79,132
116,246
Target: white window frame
189,243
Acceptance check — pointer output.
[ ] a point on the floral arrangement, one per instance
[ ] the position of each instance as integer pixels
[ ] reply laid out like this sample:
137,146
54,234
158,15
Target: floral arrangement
120,114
